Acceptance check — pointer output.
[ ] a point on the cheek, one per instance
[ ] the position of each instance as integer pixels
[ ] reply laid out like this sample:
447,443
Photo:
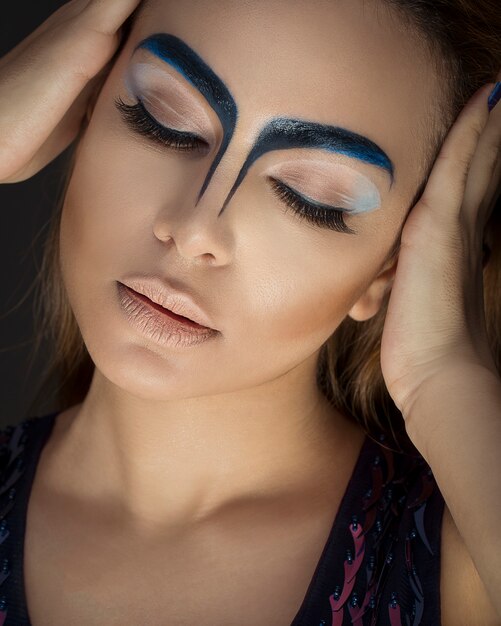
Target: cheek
318,277
312,298
94,224
300,282
115,188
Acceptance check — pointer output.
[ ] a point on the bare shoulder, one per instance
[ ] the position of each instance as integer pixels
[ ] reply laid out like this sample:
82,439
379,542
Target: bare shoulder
464,599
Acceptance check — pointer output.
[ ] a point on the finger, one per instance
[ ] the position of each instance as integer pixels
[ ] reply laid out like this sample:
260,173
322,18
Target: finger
445,189
40,82
107,16
484,177
60,138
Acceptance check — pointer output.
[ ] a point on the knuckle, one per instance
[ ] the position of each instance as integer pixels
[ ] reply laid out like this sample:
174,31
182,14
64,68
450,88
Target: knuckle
477,128
464,159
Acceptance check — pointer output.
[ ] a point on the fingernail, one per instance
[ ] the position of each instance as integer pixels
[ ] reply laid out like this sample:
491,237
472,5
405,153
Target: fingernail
494,96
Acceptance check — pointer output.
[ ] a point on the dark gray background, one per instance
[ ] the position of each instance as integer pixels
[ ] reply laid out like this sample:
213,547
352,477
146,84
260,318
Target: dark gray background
24,213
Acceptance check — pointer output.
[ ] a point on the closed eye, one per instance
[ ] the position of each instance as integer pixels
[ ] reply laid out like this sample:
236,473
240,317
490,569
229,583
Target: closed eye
140,120
322,215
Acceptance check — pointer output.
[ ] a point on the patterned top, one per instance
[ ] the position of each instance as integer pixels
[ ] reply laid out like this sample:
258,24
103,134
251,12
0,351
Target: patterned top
380,565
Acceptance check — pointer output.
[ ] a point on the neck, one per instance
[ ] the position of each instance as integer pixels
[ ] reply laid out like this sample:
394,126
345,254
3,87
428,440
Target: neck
184,459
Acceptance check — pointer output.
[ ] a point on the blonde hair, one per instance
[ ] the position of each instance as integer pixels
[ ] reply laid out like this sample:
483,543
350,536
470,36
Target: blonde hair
463,39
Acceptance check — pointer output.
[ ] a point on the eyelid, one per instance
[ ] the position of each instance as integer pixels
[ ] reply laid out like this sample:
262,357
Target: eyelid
308,199
141,122
155,118
146,80
318,214
329,183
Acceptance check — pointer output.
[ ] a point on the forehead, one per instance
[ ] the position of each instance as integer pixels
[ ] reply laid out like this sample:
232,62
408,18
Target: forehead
348,63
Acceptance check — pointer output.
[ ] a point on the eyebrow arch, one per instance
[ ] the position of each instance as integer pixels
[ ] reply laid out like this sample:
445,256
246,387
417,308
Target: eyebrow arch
278,134
185,60
284,133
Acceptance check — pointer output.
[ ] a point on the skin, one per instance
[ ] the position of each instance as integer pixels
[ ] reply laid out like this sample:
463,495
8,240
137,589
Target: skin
113,483
275,287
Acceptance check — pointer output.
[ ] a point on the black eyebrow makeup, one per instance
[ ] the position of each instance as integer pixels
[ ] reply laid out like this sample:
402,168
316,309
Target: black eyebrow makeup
283,133
278,134
185,60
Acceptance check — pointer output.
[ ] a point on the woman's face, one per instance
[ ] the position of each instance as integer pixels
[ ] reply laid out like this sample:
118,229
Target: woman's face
331,99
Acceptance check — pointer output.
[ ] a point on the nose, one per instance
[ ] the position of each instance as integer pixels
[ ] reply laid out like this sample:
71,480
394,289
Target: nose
199,230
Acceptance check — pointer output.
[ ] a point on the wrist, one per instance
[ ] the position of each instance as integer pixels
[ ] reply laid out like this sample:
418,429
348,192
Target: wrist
457,392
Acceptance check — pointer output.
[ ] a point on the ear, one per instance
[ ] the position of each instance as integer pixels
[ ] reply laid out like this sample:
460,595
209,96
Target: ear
371,300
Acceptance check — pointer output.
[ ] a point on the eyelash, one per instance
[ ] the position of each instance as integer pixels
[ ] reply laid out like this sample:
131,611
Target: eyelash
142,122
319,214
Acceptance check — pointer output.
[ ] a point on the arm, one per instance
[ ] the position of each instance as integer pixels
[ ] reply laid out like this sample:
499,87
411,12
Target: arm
436,354
459,434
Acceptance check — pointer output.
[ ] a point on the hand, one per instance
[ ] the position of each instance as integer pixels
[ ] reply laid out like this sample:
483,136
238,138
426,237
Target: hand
47,80
435,319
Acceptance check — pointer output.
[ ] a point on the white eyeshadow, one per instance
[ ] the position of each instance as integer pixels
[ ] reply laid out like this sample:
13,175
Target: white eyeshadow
365,196
141,79
330,183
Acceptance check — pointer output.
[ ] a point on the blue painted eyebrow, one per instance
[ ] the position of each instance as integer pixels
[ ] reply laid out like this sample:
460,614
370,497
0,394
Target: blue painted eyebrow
185,60
283,133
278,134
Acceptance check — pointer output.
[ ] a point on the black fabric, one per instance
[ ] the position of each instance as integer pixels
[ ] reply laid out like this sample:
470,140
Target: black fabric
20,447
380,565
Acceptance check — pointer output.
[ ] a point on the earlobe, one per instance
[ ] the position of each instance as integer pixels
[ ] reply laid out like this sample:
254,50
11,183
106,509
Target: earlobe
372,299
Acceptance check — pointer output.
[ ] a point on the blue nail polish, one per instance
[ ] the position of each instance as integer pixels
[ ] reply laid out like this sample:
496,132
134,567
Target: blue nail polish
494,96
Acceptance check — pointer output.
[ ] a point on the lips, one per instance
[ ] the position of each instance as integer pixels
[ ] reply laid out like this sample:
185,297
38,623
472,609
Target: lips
159,324
158,293
165,311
